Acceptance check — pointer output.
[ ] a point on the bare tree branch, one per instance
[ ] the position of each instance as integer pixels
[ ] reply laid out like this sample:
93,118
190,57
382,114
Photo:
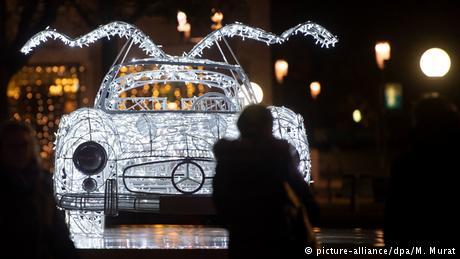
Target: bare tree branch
29,24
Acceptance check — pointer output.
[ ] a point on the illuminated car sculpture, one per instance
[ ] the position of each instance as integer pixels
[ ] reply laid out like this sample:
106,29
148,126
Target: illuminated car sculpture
135,146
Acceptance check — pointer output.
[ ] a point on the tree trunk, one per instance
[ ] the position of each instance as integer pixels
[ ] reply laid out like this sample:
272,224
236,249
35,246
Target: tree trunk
3,79
11,60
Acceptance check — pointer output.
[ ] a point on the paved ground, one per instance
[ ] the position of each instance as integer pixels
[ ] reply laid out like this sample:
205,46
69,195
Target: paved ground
160,236
197,241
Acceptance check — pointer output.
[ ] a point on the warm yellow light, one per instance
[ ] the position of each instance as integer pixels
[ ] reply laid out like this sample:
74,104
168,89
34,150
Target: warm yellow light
181,18
217,18
382,53
172,106
55,90
281,70
315,89
69,106
158,106
182,24
393,95
357,117
435,62
13,91
177,93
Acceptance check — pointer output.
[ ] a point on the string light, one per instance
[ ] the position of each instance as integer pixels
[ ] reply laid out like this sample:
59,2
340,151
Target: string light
120,29
319,33
125,30
159,152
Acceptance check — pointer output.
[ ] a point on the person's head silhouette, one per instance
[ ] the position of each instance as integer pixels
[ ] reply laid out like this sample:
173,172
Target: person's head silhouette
256,121
34,226
18,147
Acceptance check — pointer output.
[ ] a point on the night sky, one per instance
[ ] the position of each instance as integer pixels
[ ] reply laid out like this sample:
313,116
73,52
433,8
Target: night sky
349,74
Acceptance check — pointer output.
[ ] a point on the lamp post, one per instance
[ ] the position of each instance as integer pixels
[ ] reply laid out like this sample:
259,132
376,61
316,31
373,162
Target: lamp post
382,54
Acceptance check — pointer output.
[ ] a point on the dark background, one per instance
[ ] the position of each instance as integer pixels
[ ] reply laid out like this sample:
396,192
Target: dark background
348,73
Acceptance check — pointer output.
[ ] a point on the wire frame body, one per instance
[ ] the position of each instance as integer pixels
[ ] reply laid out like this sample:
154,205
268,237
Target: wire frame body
137,148
144,151
149,155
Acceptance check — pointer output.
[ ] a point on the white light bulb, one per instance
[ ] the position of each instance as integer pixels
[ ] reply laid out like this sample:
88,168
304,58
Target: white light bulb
435,62
257,92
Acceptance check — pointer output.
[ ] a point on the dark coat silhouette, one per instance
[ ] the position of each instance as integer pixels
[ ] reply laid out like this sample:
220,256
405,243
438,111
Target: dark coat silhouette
31,225
251,198
421,209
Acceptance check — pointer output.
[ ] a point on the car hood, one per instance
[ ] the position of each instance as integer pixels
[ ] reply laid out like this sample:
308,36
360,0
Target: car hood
172,134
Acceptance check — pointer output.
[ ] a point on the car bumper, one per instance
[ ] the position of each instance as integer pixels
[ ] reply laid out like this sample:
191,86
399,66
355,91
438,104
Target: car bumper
164,204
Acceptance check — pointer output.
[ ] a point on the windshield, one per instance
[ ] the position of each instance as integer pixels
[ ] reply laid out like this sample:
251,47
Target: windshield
173,86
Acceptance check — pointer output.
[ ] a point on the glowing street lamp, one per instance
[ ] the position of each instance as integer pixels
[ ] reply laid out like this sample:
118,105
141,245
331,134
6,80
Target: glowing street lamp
435,62
217,18
281,70
315,89
183,25
393,96
357,116
181,21
382,53
256,89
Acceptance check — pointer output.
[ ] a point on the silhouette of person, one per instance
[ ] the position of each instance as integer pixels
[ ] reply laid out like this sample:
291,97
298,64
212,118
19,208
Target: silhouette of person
31,225
250,193
421,209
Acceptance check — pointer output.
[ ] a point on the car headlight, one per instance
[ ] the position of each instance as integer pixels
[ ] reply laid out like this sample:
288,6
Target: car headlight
90,158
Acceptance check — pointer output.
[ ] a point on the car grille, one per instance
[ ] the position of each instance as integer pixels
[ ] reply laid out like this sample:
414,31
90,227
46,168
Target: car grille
170,177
